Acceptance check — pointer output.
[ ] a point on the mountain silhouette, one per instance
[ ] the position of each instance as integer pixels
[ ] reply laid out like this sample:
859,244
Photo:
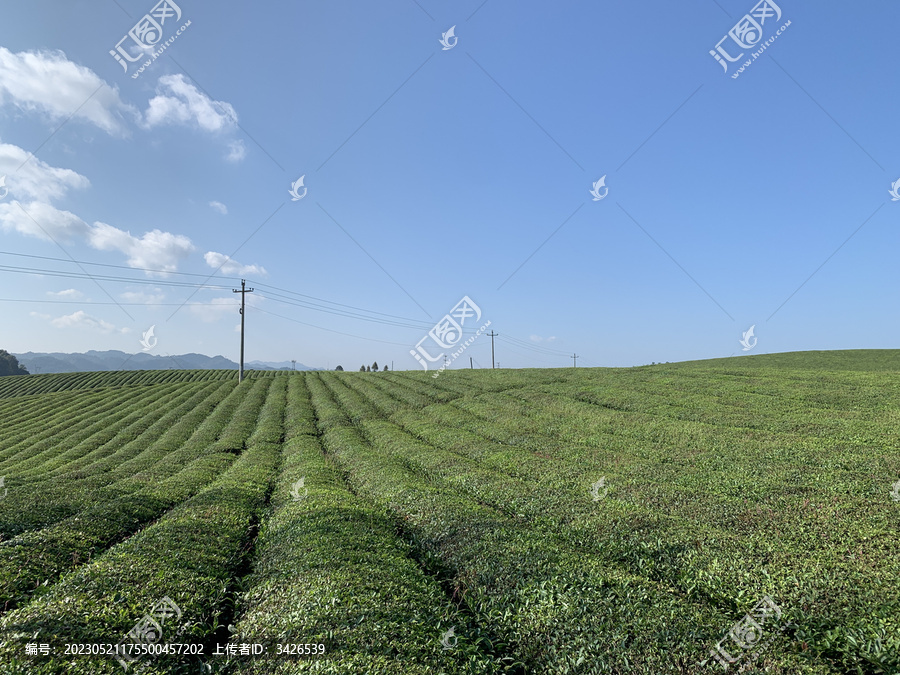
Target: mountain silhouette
91,361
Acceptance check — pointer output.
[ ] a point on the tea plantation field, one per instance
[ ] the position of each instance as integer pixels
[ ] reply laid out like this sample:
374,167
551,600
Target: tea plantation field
567,521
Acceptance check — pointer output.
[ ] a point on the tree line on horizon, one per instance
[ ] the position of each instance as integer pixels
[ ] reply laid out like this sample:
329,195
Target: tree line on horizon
9,365
366,369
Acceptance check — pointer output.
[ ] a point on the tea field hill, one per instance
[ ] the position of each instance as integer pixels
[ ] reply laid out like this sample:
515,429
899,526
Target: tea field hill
848,359
652,520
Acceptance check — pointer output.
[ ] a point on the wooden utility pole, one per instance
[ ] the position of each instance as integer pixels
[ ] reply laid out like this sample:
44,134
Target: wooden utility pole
493,335
574,356
243,293
471,367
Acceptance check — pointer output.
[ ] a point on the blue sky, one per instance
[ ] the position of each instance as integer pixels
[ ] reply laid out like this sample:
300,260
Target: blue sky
432,174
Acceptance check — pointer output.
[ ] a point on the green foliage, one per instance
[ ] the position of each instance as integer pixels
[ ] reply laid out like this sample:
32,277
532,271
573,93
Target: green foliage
9,364
459,502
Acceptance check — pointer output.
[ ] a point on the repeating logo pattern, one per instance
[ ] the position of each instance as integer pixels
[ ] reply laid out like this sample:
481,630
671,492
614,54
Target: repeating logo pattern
448,332
746,33
146,338
145,36
296,196
447,637
747,336
449,39
596,487
295,490
595,191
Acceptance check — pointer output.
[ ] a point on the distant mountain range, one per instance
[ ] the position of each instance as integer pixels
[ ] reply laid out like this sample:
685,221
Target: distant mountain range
56,362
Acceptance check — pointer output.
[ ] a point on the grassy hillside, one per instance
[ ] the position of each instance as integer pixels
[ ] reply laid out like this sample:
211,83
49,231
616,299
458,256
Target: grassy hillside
528,521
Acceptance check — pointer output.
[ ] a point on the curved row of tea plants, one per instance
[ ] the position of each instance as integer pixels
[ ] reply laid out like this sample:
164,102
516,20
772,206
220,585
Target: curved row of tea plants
330,569
548,606
34,558
37,505
24,385
193,555
114,424
833,617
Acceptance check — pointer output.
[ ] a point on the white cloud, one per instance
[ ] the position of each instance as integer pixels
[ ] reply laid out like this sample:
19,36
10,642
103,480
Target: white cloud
538,338
140,297
225,265
236,151
69,293
217,309
47,82
220,207
36,179
37,219
82,320
38,315
155,250
179,102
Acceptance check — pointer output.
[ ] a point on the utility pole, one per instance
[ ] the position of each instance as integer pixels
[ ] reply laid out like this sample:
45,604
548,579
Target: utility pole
471,367
574,356
493,335
243,293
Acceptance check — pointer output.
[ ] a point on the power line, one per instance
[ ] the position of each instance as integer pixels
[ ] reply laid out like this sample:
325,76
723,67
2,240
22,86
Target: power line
127,304
361,337
532,347
403,323
130,280
94,264
290,298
